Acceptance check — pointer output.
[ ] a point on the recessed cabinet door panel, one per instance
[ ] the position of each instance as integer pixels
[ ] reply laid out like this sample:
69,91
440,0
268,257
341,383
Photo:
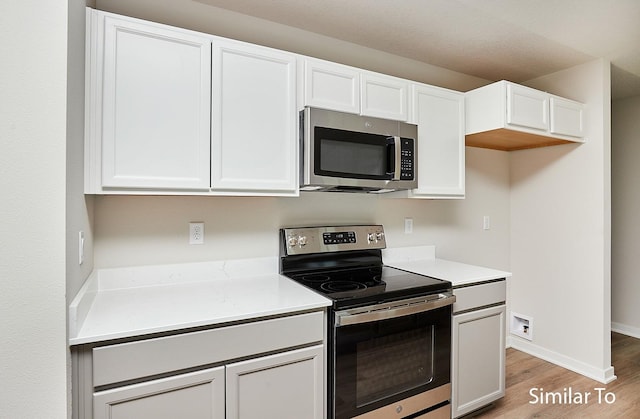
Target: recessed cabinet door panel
566,117
478,359
527,107
384,96
439,115
254,120
284,386
156,105
331,86
197,395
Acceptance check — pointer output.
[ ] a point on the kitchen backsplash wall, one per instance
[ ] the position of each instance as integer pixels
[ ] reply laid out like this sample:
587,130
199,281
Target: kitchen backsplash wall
142,230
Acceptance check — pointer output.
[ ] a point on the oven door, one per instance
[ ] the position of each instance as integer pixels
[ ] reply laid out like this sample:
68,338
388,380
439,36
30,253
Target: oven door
387,353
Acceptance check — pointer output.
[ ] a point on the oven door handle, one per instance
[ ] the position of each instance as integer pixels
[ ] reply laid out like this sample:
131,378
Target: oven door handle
392,310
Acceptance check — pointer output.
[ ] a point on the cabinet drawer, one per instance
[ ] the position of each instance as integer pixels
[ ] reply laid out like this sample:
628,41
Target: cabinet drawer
128,361
479,295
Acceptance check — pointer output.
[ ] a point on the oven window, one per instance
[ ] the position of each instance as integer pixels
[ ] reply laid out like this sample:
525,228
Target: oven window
394,363
381,362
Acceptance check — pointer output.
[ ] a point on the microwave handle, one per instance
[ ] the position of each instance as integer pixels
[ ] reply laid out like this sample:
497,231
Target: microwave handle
394,157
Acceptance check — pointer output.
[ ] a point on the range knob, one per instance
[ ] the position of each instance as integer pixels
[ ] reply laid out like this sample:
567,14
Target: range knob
302,241
371,237
379,237
292,241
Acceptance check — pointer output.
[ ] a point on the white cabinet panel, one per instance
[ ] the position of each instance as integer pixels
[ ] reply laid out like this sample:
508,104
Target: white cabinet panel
254,120
330,86
384,96
527,107
566,117
284,386
478,359
439,114
197,395
507,116
153,119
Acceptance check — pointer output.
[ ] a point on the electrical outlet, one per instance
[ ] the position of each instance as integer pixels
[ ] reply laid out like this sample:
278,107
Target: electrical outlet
196,233
408,225
80,247
486,223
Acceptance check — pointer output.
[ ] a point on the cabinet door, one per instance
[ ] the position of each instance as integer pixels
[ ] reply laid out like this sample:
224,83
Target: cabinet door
155,106
566,117
384,96
331,86
478,358
254,120
197,395
527,107
289,385
439,114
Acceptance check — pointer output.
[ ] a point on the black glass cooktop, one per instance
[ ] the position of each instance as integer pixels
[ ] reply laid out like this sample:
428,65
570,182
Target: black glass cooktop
359,286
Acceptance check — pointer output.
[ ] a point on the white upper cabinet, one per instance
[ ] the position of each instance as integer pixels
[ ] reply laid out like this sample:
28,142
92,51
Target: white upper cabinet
566,117
527,107
149,104
342,88
328,85
384,96
439,114
507,116
165,116
254,120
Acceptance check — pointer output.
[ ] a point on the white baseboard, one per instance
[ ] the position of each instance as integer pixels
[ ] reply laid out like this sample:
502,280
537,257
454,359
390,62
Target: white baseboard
604,376
634,332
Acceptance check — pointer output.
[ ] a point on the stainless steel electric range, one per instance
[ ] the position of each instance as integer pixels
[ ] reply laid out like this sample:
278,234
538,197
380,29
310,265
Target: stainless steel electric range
389,337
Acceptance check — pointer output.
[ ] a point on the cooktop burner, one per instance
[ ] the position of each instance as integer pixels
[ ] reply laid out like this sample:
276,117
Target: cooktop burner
369,284
344,264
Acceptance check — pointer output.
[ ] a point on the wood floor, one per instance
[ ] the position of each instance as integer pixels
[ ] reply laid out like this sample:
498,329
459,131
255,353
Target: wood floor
525,372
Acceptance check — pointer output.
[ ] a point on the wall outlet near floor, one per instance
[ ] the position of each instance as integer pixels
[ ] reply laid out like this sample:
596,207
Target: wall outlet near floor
196,233
486,222
521,326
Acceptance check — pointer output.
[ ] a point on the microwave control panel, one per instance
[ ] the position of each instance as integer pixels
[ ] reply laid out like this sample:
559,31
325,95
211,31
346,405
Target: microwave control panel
406,159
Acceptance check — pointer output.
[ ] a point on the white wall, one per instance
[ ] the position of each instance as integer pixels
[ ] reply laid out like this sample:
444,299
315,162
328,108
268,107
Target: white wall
134,230
33,361
625,249
560,233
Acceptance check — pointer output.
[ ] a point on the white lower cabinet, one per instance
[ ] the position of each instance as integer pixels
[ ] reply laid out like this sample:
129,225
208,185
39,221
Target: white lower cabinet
268,369
478,347
197,395
281,386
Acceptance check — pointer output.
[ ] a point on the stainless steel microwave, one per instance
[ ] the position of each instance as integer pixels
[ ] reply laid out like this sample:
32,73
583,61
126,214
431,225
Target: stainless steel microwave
343,152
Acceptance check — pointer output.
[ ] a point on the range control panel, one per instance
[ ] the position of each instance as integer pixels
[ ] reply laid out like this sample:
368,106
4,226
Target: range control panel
305,240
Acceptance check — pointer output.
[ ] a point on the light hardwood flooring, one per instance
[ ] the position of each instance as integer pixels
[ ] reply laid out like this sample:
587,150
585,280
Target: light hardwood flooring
525,372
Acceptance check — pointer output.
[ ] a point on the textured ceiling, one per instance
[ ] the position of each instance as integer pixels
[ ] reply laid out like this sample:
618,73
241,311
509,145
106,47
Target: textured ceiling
515,40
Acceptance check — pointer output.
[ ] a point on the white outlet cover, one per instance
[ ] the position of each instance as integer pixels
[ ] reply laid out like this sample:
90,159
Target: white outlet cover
196,233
